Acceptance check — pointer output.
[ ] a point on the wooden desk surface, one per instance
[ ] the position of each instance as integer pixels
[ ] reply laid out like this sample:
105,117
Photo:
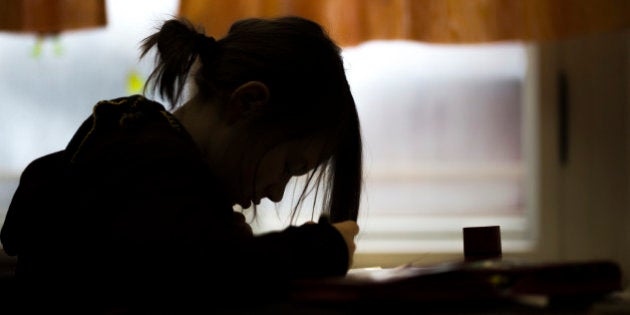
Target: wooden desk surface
483,287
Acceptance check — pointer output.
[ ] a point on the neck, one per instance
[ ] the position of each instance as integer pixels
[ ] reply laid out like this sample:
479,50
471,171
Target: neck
202,123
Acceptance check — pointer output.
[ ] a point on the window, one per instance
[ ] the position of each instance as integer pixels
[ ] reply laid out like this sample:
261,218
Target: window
46,96
444,126
444,133
444,129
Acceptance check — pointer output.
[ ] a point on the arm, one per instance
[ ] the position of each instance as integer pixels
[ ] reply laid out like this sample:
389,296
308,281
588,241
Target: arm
186,211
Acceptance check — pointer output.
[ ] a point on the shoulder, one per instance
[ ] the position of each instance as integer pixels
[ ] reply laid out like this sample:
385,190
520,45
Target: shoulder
129,127
44,165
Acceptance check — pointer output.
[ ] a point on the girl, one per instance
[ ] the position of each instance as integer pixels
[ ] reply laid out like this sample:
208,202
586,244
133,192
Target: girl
138,208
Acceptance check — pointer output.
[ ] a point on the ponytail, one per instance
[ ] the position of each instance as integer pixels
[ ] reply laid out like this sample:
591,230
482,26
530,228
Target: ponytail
178,45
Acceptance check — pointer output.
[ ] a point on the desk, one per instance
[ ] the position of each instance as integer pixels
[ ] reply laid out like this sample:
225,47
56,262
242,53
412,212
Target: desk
503,287
481,287
606,306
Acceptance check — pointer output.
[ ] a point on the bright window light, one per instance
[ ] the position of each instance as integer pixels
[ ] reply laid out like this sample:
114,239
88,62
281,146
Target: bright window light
443,126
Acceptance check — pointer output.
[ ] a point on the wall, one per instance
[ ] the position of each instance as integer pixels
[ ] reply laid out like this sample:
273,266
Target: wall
583,196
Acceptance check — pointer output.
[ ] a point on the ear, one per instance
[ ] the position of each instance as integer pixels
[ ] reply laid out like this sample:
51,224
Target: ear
247,101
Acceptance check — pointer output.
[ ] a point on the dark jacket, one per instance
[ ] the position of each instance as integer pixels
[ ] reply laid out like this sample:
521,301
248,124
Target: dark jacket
129,212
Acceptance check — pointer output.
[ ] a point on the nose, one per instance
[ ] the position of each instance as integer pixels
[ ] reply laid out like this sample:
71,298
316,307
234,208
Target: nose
275,192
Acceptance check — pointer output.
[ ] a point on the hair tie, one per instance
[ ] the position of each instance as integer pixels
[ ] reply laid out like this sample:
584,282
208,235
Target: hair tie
206,45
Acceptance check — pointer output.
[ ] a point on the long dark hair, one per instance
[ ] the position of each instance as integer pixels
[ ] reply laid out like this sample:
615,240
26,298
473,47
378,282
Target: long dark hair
309,92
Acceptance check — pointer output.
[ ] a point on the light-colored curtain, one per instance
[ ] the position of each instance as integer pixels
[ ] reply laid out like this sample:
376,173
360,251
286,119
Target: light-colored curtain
441,21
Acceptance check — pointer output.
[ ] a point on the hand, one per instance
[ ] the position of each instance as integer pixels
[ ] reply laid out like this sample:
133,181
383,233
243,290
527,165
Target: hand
348,229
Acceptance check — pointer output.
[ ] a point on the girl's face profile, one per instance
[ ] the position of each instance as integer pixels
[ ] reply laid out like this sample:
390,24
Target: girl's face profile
276,167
